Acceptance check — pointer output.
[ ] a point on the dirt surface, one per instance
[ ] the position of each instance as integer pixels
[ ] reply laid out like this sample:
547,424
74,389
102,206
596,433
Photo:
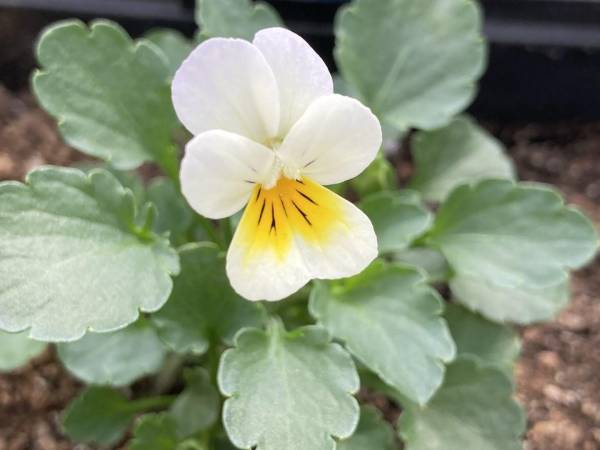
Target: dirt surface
558,374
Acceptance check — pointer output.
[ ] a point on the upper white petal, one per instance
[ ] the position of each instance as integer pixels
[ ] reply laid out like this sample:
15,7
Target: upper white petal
219,171
227,84
301,74
335,140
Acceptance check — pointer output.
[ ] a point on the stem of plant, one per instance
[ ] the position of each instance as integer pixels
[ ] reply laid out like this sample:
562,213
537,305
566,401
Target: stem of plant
210,230
169,163
168,375
152,403
227,231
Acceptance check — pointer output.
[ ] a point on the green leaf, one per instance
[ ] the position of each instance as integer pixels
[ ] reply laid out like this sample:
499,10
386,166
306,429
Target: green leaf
173,45
373,433
235,18
117,358
456,154
73,258
288,390
398,218
428,260
154,432
110,95
16,349
380,175
130,179
203,305
502,238
414,62
522,304
197,407
474,409
491,343
99,415
174,214
390,320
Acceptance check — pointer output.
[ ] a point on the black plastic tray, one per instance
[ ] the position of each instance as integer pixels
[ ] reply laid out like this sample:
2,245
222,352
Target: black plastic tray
544,59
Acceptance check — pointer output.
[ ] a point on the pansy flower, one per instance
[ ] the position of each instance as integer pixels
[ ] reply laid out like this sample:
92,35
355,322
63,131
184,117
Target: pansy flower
269,134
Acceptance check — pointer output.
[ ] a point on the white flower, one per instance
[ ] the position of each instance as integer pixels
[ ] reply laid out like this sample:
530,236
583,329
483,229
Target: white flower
269,133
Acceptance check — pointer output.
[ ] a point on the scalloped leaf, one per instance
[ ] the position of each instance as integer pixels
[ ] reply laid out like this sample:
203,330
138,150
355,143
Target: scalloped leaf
155,432
174,45
235,18
373,433
99,415
459,153
490,342
413,62
117,358
391,321
288,390
509,245
74,258
522,305
174,215
197,407
429,260
398,217
16,349
110,95
474,409
203,306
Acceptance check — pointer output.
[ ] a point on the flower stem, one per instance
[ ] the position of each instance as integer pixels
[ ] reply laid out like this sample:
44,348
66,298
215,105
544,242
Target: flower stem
168,375
227,231
152,403
210,230
169,163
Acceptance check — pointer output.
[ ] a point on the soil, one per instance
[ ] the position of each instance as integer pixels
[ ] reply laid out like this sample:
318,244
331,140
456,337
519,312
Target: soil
558,373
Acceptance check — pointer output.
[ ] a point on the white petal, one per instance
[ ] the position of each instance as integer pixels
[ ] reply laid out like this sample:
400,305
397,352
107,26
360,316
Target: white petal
227,84
301,74
293,233
335,140
219,171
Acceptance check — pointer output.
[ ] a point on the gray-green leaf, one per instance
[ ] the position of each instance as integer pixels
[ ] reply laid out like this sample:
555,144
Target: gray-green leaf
117,358
501,238
73,258
522,304
99,415
110,95
154,432
174,214
235,18
398,217
390,320
414,62
456,154
380,175
16,349
490,342
474,409
203,305
197,407
173,44
373,433
288,390
426,259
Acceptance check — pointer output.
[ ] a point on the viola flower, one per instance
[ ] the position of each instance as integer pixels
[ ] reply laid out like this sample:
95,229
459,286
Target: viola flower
269,134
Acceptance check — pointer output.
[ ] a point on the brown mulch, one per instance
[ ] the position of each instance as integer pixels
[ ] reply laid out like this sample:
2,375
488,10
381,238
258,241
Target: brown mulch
558,374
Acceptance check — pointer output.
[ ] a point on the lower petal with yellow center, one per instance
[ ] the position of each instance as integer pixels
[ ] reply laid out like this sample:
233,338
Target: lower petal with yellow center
294,232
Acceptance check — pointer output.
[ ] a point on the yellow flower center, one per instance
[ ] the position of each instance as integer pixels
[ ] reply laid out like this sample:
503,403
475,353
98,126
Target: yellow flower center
289,209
